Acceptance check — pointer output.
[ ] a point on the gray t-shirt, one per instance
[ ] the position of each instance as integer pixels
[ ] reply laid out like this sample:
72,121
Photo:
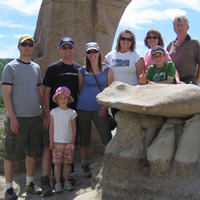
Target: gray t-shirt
24,79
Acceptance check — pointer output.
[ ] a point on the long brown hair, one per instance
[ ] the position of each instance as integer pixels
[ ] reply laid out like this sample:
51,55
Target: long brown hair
157,33
133,45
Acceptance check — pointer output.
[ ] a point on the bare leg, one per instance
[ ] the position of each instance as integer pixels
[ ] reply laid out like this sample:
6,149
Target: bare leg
66,171
84,150
30,165
57,170
46,162
8,170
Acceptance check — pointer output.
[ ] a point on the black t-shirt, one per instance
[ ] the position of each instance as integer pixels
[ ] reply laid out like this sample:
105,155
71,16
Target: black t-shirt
60,74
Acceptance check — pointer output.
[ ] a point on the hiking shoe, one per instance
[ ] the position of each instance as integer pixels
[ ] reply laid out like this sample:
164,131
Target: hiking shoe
58,188
33,189
10,194
46,186
86,170
68,186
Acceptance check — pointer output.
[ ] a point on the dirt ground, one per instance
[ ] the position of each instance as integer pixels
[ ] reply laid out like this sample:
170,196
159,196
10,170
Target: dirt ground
83,187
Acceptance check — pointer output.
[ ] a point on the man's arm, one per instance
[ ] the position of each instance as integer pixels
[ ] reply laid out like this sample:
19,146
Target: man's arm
46,105
14,124
39,90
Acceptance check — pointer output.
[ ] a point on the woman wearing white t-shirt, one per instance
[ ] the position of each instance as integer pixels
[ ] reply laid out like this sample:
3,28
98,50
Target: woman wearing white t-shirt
126,63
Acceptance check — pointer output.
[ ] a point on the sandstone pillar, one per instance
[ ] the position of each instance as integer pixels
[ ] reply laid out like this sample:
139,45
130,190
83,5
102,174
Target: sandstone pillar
83,20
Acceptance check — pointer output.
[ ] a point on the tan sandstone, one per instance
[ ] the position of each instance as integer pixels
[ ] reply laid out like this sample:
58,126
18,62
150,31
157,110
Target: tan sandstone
167,100
155,152
83,20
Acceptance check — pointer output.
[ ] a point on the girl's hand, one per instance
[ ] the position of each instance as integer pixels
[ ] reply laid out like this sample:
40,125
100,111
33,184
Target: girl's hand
51,145
103,111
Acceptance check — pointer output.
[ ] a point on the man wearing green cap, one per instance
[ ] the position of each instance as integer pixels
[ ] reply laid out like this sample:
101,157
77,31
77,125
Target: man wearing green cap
21,82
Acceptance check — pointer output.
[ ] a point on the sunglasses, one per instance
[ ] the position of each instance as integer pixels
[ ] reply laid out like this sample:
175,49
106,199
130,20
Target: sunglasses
65,48
92,51
152,37
124,38
27,44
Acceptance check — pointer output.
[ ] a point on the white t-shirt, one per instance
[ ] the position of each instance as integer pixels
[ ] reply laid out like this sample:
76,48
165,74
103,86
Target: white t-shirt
63,124
123,66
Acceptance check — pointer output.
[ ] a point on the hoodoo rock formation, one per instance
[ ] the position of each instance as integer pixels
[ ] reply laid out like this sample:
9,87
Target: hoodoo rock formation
155,153
84,21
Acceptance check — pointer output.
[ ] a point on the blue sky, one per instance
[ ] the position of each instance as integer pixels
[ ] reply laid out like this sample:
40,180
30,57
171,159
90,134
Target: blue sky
20,16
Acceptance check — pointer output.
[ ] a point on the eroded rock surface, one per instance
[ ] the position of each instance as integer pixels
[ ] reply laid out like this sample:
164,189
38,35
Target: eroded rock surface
156,149
167,100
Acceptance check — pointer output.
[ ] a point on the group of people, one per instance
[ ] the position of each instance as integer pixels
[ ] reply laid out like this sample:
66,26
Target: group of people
43,122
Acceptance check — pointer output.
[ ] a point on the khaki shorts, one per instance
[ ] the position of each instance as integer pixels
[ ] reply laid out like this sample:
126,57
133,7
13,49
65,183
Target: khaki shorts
63,153
45,138
27,142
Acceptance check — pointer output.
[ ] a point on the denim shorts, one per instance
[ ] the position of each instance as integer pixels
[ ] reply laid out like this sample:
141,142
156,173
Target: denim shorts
102,124
27,142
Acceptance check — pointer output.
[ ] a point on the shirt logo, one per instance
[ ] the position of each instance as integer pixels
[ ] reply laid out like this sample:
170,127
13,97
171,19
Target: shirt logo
160,77
68,73
120,63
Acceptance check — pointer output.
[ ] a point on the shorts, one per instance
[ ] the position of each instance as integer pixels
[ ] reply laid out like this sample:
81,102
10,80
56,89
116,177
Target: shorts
84,127
63,153
45,137
27,142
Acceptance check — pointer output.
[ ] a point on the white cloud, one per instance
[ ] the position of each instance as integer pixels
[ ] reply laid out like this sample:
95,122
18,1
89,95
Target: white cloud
191,4
29,7
174,12
140,12
2,36
10,24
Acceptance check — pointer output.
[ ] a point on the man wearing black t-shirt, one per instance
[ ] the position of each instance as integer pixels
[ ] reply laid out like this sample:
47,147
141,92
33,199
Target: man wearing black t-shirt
61,73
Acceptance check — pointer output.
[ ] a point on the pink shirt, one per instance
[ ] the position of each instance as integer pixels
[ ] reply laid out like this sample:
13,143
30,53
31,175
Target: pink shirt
148,60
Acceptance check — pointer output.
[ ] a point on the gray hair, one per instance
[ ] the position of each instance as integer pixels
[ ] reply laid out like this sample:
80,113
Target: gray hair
181,18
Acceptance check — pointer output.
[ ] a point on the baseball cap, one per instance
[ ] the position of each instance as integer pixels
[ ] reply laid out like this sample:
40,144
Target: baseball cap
91,45
157,49
24,37
66,40
63,90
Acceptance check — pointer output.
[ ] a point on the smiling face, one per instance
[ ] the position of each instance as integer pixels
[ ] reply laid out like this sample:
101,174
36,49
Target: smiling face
159,59
62,100
92,55
26,48
152,40
181,27
125,42
67,51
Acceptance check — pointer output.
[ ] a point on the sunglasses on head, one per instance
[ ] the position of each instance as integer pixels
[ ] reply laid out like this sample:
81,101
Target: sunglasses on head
92,51
27,44
65,47
152,37
124,38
